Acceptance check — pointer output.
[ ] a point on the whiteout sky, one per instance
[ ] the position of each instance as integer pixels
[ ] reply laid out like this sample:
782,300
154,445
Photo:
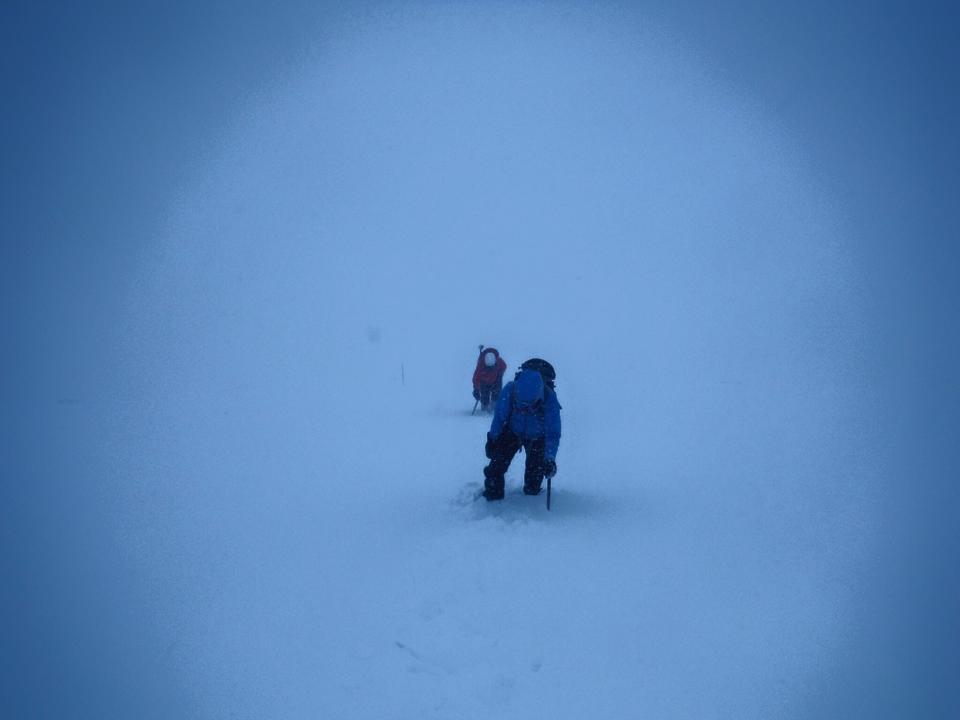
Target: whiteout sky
249,502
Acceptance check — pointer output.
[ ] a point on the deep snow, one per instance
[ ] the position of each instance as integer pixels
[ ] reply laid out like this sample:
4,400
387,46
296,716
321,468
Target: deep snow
293,450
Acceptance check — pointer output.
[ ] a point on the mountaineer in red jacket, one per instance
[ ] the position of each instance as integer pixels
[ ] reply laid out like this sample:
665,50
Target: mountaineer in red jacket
488,378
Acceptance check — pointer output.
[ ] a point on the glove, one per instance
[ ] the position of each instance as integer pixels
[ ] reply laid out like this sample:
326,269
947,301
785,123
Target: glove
488,448
549,468
476,394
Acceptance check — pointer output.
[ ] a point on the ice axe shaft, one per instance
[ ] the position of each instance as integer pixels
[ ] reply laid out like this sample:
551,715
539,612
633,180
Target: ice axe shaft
474,411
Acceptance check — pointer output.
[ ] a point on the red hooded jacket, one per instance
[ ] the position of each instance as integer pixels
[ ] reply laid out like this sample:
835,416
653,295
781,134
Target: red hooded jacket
484,375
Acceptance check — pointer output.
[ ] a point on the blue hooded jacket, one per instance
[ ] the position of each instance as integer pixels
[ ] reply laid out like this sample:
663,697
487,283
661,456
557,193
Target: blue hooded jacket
531,410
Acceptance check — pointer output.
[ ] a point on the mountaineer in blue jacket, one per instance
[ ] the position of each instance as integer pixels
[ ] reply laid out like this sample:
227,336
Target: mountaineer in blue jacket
528,416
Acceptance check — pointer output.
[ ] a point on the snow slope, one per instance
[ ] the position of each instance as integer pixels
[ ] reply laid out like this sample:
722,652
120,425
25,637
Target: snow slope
294,448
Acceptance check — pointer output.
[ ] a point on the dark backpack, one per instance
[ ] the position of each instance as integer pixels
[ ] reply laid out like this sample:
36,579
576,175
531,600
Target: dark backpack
545,369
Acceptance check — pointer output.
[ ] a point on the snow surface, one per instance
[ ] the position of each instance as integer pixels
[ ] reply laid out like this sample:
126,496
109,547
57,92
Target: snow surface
295,456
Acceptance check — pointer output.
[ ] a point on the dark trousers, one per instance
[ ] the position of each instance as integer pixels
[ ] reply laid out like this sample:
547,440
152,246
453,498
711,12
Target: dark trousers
504,448
489,395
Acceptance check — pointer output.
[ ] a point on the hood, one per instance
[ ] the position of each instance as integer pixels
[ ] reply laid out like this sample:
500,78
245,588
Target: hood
528,388
484,352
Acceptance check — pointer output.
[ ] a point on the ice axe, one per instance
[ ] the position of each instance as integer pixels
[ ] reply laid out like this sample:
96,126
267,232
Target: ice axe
474,411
